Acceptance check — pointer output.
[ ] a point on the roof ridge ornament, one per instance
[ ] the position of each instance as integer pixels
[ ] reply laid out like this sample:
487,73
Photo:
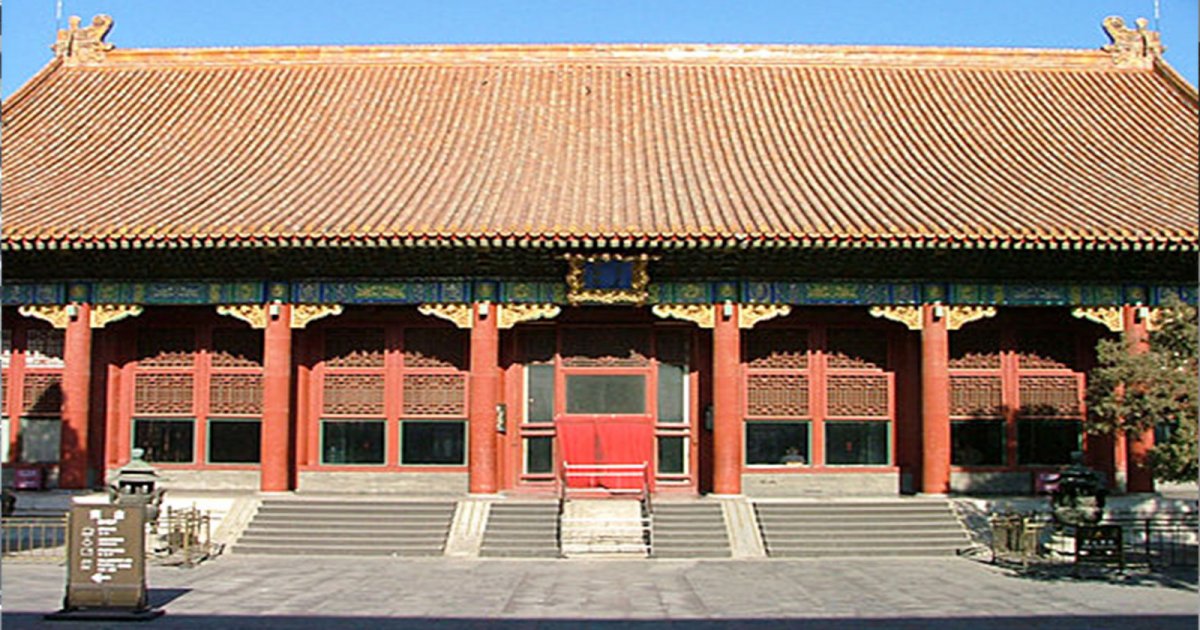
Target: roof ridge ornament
84,45
1132,47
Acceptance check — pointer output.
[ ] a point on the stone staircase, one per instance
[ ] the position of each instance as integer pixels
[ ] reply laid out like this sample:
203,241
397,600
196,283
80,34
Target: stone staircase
368,527
689,530
521,530
896,527
603,528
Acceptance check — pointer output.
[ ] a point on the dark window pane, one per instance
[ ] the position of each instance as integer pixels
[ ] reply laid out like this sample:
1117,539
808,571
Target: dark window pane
538,346
670,393
606,394
433,442
234,442
41,439
167,441
1046,441
354,442
858,443
541,394
670,455
977,443
777,443
539,455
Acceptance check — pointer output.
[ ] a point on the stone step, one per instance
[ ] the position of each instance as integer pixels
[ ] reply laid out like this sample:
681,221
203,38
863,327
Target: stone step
364,525
491,536
664,541
848,511
865,553
520,552
352,519
346,535
340,550
868,543
520,545
355,512
831,529
696,552
390,510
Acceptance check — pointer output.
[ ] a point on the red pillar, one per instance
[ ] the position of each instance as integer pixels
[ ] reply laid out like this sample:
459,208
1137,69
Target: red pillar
727,388
1139,477
935,402
77,386
277,381
484,394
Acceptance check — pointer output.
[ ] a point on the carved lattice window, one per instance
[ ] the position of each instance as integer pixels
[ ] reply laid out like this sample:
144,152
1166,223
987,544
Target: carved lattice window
975,349
1046,350
43,394
858,395
976,396
777,349
237,347
353,394
163,394
435,395
606,347
166,347
44,347
1049,396
856,349
354,347
434,348
236,394
777,395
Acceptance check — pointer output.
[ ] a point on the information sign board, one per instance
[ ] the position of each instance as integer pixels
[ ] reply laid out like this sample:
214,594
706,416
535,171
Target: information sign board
106,552
1099,544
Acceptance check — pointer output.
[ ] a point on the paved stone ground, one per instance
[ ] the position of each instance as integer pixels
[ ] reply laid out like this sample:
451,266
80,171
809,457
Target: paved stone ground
264,592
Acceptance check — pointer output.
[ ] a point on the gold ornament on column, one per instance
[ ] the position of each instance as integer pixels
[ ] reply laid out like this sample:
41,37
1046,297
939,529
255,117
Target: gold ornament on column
456,312
512,314
910,316
59,315
253,314
105,314
303,314
703,315
959,316
1110,317
751,314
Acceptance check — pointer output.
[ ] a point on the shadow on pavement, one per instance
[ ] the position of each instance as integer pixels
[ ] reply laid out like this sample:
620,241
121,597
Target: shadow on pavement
160,597
1055,622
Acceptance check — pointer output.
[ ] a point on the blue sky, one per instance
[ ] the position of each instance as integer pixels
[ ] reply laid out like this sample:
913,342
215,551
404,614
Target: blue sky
29,25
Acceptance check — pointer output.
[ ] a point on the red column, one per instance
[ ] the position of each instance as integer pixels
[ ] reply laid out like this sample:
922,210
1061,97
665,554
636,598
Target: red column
1139,477
277,382
727,417
935,402
485,392
77,386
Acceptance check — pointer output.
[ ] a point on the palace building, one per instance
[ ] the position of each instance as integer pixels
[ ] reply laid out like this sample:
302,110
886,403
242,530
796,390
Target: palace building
759,270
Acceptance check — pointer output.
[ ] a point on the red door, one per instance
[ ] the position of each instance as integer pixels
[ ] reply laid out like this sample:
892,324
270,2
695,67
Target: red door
604,413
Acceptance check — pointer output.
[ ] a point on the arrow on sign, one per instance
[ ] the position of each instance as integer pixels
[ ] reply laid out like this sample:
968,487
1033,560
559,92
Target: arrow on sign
100,577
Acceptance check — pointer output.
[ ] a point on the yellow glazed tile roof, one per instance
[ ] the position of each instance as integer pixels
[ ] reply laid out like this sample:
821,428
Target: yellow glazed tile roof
616,144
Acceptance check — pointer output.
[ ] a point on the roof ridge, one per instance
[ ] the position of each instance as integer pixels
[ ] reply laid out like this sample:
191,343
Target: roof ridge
622,53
